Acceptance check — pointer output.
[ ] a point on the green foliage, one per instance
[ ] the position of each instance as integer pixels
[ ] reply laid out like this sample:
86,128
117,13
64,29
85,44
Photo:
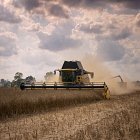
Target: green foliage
30,79
18,76
17,79
5,83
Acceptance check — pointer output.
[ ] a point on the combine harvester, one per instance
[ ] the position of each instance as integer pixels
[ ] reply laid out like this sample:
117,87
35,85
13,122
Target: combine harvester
72,76
121,84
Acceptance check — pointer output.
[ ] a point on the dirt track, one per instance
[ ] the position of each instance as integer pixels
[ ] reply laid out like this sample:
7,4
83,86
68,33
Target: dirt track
117,118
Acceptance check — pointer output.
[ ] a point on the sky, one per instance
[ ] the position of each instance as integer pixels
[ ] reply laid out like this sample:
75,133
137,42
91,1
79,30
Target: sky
37,36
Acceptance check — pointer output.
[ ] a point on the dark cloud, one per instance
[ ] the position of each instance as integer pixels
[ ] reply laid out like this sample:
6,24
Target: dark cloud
60,39
122,34
115,34
84,3
27,4
102,4
138,20
7,46
8,16
57,42
134,4
72,2
87,28
138,23
111,26
94,3
53,9
58,11
110,50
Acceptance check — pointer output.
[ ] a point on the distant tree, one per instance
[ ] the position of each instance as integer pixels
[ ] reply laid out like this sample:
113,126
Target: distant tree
17,79
18,75
2,82
5,83
30,79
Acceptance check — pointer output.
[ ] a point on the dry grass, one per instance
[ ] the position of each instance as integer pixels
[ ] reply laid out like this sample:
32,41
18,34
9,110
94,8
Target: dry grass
115,119
14,102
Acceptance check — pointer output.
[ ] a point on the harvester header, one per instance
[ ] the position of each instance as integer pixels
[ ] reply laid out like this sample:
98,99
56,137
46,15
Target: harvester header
72,75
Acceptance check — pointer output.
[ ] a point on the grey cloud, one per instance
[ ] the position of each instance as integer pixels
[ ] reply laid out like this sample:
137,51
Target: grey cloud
7,46
87,28
94,3
138,23
115,34
53,9
134,4
60,39
40,19
131,57
31,4
72,2
83,3
110,50
138,20
111,26
123,34
58,11
42,59
8,16
57,42
27,4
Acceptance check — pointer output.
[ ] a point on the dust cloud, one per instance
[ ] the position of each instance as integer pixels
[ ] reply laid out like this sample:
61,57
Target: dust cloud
52,79
103,74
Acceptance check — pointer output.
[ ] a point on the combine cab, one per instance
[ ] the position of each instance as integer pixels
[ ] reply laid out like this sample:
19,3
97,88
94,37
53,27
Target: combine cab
73,73
72,76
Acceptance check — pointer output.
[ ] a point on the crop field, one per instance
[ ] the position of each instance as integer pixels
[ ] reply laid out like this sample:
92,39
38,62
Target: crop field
69,115
14,102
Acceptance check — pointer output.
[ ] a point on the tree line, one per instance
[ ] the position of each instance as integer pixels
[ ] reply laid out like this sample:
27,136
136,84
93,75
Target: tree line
18,79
